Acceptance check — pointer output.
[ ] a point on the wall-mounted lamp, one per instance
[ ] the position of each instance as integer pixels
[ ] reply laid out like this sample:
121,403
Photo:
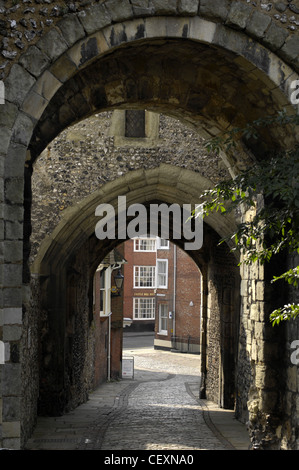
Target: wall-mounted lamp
191,304
119,280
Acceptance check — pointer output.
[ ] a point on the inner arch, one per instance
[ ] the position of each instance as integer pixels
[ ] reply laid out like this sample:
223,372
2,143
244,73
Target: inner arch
164,183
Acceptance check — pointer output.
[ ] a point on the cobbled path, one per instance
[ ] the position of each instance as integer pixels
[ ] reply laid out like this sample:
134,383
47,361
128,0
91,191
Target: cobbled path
158,416
158,409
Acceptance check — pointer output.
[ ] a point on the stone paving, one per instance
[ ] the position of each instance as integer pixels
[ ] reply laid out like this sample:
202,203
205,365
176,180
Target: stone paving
157,409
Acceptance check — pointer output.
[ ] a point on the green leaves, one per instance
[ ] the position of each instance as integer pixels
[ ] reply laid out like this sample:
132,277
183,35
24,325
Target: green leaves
291,276
287,312
270,191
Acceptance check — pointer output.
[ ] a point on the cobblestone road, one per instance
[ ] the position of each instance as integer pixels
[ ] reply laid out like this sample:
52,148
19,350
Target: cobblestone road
158,409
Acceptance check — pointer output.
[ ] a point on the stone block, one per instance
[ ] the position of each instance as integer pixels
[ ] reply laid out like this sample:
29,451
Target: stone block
119,11
12,274
292,378
34,60
5,135
13,230
2,229
23,129
13,252
88,49
18,84
142,7
95,18
12,296
238,15
116,35
188,7
52,44
135,29
12,316
47,85
12,332
202,30
258,24
254,313
259,331
232,40
218,9
155,27
12,443
71,29
11,429
15,161
260,290
14,190
163,7
11,380
8,114
178,27
7,352
275,37
244,288
34,105
260,373
11,409
63,68
13,213
290,49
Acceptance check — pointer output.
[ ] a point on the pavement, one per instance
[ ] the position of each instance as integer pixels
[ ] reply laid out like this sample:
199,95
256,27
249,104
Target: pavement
155,409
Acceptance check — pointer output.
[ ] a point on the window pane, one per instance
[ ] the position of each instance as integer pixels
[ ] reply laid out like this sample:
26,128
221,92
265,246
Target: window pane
144,276
143,244
164,243
144,309
135,123
163,317
162,273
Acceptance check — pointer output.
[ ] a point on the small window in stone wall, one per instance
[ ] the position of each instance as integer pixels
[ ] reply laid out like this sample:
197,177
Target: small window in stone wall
135,123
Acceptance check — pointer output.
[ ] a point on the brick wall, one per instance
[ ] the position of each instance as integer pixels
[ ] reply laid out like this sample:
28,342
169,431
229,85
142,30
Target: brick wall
183,320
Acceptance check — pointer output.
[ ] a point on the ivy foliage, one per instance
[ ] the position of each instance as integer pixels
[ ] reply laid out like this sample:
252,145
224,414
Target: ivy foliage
269,189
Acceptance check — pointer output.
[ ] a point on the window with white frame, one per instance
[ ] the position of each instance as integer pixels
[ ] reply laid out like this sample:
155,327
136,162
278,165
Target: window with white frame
144,308
163,316
105,286
162,273
144,244
144,276
163,244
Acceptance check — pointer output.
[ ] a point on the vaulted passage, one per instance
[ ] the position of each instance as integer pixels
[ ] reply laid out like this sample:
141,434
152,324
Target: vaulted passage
68,263
211,77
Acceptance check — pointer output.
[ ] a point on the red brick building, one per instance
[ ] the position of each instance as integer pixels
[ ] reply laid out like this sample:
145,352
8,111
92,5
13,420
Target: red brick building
108,317
162,293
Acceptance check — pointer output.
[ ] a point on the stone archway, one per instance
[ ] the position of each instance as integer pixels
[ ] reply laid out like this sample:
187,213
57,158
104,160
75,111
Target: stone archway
53,86
72,253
